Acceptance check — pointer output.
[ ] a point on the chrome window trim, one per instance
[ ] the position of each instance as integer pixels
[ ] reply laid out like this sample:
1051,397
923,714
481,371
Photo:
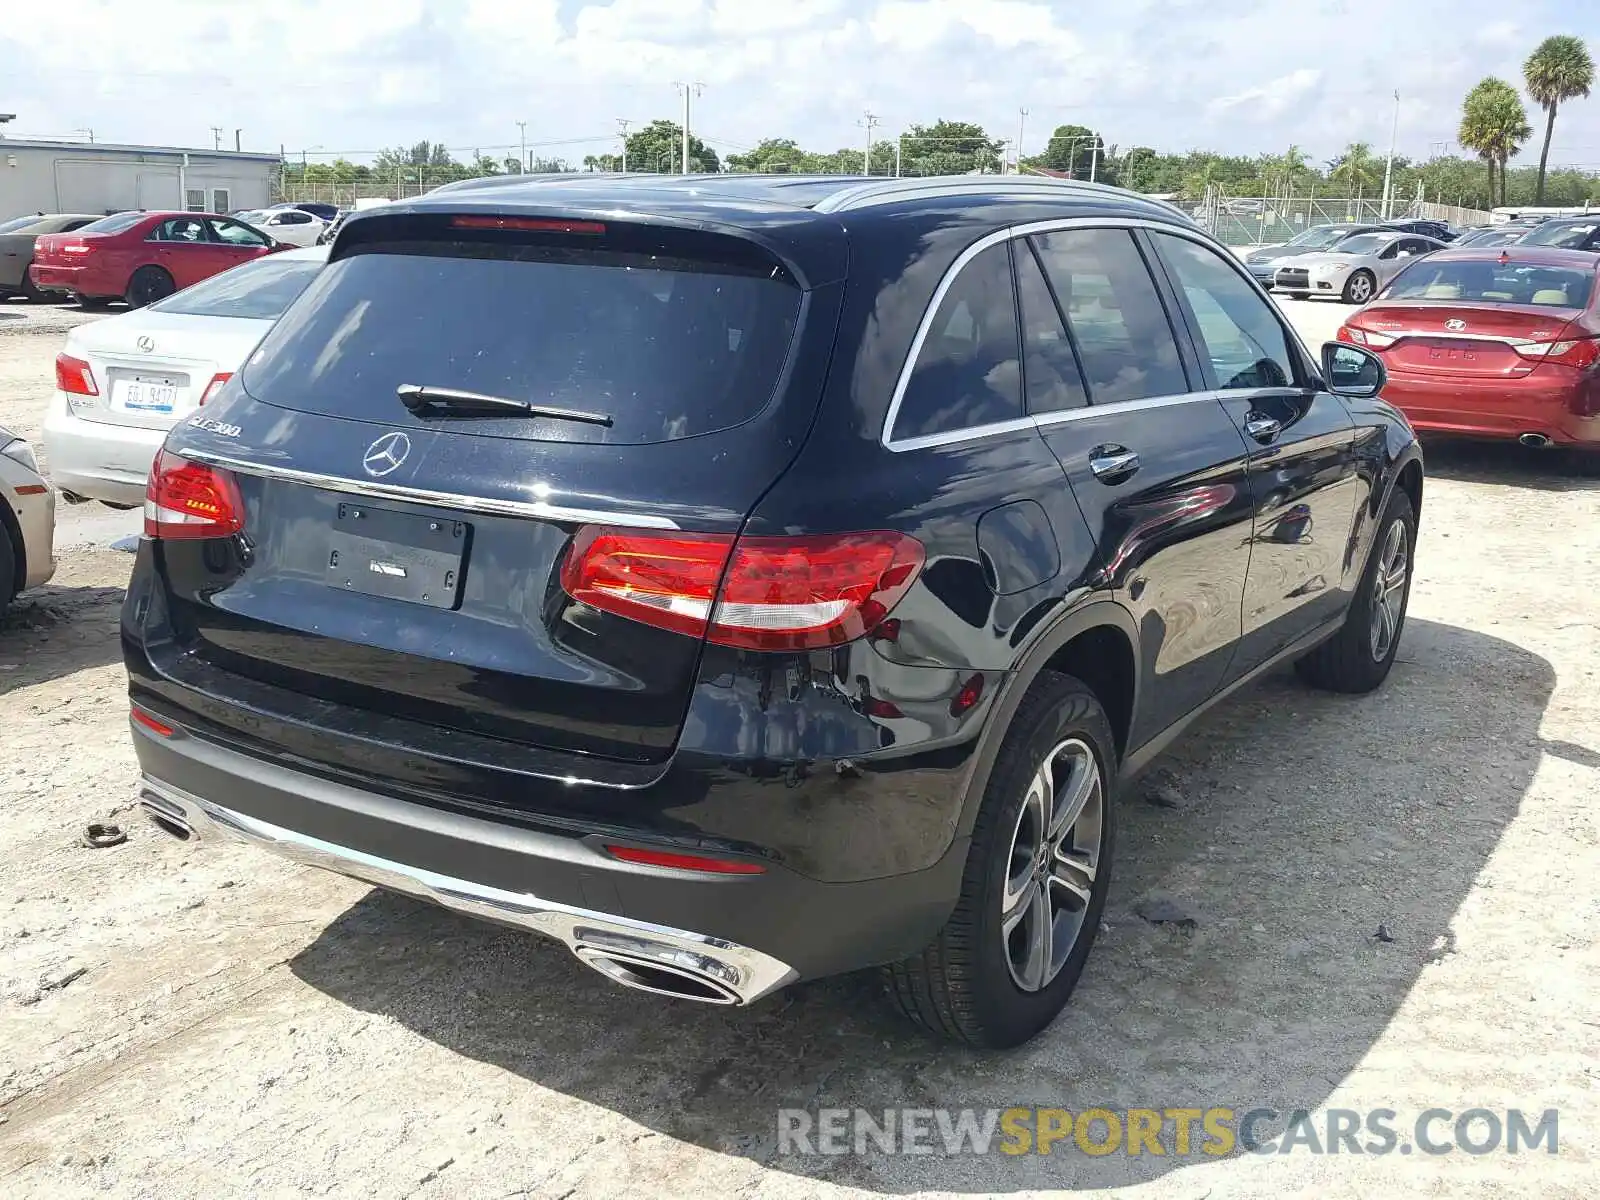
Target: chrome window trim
532,509
886,437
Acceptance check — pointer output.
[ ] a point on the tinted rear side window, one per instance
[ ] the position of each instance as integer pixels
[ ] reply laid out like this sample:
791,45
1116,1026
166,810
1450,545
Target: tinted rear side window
967,372
667,348
1123,336
260,290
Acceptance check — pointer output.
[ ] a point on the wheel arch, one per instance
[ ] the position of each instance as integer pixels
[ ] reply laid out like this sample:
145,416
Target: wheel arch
19,549
1096,643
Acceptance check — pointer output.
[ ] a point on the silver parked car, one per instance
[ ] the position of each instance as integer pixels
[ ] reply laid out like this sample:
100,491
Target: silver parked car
1355,269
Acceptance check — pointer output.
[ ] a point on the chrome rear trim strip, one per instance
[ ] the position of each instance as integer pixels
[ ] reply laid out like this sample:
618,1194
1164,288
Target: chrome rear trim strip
533,509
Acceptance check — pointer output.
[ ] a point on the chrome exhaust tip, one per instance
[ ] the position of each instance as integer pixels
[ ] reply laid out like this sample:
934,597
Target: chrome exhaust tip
166,816
1534,441
646,973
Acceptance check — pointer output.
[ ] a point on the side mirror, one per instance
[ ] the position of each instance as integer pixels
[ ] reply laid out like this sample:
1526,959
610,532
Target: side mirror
1351,371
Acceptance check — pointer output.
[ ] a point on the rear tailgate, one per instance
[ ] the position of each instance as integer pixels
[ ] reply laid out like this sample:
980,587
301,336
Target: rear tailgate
1478,341
152,369
400,575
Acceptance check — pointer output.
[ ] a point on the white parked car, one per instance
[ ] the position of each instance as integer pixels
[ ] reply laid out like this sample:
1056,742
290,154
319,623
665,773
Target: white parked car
27,519
1355,269
288,225
123,382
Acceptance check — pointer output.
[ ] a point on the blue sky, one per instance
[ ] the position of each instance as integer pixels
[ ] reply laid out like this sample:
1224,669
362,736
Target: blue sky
1241,76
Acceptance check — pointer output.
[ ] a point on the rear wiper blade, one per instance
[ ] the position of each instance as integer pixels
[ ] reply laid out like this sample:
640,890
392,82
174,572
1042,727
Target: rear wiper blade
419,398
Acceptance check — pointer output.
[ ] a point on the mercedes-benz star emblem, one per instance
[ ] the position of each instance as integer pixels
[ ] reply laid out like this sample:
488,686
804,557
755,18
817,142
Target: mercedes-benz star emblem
386,454
1455,325
146,343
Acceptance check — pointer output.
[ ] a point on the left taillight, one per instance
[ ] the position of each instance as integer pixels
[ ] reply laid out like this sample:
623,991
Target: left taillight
753,593
185,499
74,376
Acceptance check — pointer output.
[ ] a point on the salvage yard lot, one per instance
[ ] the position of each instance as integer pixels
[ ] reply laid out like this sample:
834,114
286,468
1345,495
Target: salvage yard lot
243,1026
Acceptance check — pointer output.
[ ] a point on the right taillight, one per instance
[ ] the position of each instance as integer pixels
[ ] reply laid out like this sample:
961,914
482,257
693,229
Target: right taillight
754,593
74,376
186,499
215,386
1578,353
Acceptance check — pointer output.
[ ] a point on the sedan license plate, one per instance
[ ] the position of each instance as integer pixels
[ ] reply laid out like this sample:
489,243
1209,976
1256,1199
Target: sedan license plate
141,394
381,552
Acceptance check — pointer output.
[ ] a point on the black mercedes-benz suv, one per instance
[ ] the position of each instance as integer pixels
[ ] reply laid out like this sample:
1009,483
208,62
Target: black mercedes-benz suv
745,579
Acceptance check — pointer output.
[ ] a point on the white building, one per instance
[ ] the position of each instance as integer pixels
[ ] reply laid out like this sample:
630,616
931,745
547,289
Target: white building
84,177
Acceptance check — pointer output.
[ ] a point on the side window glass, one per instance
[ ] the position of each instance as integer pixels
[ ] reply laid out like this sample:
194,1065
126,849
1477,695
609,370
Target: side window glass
1123,336
967,372
1237,329
185,230
232,233
1049,367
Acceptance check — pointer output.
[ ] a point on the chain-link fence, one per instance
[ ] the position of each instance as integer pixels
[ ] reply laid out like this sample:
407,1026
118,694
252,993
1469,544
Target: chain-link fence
1267,220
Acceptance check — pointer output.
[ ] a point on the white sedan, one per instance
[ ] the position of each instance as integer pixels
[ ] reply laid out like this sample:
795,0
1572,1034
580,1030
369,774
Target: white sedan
288,225
1354,270
27,519
122,383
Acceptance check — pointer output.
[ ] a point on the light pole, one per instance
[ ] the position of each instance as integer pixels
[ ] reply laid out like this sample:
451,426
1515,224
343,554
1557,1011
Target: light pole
869,121
1022,126
522,140
689,90
1388,170
622,132
899,144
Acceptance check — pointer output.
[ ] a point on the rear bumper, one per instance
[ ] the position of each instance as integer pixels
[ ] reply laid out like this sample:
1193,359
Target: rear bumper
746,934
97,459
1499,409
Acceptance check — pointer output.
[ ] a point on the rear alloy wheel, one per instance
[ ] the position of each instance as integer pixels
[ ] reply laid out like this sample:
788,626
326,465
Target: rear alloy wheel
148,285
1358,657
1359,287
1035,883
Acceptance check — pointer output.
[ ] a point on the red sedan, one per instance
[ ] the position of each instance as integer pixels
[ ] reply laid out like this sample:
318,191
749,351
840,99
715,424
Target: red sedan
1492,343
142,257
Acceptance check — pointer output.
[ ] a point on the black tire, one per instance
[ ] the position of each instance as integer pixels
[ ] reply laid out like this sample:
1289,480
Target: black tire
95,302
962,986
1299,295
1352,660
147,285
8,568
1360,287
30,290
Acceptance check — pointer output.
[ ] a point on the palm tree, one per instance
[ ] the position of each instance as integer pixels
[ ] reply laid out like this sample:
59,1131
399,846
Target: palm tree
1558,71
1494,123
1351,168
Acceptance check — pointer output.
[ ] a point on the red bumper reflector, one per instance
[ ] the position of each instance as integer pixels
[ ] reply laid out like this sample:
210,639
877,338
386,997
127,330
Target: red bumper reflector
150,723
684,862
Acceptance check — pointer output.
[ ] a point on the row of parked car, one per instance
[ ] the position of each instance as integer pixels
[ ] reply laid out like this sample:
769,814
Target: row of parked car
1354,262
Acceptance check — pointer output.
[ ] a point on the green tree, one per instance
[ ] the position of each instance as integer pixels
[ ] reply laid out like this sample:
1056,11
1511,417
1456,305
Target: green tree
659,147
1071,148
944,148
1494,123
1558,71
1353,170
772,156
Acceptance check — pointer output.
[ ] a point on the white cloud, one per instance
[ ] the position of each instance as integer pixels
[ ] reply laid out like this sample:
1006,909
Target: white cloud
1236,75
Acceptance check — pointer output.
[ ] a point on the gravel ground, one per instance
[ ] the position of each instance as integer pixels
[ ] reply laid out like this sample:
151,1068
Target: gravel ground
179,1022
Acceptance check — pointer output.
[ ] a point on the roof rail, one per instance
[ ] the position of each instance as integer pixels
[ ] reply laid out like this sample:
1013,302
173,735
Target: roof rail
883,191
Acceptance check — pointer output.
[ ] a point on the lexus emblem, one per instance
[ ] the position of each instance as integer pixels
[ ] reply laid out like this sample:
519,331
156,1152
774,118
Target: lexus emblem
146,343
386,454
1455,325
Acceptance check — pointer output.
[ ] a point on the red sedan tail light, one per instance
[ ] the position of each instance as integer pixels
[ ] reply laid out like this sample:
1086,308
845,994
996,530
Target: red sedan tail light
1577,353
74,376
761,593
190,500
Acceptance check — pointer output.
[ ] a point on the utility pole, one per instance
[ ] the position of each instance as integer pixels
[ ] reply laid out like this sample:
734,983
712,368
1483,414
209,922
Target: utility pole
522,138
869,121
899,145
622,132
238,141
1094,155
1388,170
216,137
1022,126
689,90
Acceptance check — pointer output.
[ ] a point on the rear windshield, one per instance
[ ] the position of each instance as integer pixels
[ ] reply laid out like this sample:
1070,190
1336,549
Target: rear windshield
1568,237
260,290
115,223
1491,282
666,348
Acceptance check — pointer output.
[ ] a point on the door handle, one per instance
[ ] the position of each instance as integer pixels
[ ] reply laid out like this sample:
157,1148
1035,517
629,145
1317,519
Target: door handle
1263,429
1112,464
